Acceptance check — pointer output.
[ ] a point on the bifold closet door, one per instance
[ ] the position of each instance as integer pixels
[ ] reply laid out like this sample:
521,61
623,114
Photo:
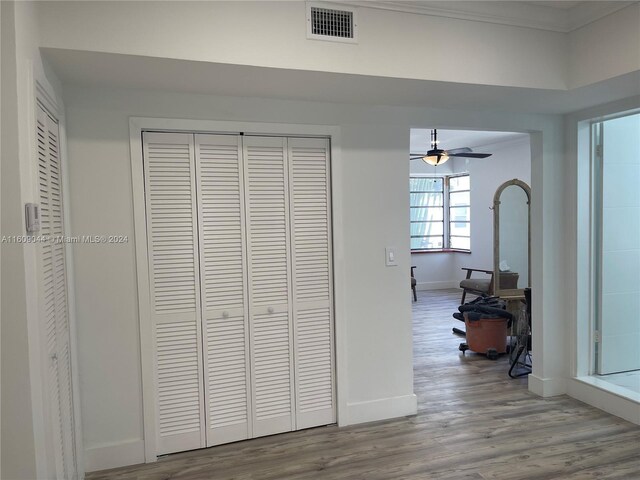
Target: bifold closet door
222,276
172,236
268,252
54,313
239,249
312,311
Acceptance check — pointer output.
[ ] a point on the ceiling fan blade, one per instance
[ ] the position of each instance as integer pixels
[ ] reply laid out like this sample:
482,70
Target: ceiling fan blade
459,150
419,157
470,155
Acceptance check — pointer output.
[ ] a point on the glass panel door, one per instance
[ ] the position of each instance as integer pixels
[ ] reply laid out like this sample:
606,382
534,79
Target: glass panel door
617,188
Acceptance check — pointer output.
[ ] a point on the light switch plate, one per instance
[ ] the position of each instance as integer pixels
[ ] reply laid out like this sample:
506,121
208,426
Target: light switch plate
391,257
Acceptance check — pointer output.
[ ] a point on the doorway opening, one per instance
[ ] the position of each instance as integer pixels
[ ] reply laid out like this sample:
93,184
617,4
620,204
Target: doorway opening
451,232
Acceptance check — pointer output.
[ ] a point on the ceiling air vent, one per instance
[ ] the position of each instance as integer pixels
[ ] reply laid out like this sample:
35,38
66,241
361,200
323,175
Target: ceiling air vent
333,24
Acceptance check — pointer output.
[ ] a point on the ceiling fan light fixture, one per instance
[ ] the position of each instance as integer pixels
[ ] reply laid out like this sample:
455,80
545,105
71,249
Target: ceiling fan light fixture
435,159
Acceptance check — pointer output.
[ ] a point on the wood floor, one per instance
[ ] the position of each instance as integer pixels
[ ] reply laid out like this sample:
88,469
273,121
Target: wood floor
474,423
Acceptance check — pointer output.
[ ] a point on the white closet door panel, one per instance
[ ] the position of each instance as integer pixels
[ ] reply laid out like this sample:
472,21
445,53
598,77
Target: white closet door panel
175,290
47,301
66,403
265,176
46,257
272,365
53,297
314,367
227,385
224,299
312,278
266,179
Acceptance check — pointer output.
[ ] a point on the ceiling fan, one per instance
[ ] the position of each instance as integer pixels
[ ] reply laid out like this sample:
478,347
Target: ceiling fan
437,156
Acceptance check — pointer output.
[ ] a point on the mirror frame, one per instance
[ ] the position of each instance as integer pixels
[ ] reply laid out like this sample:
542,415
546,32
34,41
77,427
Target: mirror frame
496,238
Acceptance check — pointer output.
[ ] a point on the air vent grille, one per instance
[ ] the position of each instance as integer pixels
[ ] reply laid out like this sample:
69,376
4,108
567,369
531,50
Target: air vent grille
325,23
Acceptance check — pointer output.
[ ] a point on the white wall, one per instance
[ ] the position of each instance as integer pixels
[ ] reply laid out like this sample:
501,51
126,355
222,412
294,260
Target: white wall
511,159
378,362
273,34
612,44
18,444
25,451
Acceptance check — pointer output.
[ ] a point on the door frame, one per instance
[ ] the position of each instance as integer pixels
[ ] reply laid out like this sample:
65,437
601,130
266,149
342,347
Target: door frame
137,125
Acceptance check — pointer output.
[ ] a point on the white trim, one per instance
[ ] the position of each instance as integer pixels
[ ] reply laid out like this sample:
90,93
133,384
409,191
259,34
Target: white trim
518,14
37,366
440,285
136,126
112,455
547,387
382,409
606,396
580,359
143,293
71,298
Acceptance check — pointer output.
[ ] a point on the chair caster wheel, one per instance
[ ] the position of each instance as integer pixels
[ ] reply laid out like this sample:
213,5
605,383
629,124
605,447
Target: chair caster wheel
463,347
492,354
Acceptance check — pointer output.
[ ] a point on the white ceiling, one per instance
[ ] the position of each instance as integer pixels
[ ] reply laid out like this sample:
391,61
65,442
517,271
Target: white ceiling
420,140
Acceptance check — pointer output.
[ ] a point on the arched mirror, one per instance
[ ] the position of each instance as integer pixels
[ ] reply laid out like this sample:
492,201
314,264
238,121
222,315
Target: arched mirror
512,238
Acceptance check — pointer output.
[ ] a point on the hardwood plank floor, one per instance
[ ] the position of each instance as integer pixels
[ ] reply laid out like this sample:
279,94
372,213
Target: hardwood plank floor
473,423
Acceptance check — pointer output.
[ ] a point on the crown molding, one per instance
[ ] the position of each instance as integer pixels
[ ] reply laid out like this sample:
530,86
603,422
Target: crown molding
514,13
588,12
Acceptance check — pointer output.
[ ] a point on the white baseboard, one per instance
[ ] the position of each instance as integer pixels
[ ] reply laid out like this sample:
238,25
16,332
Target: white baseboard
114,455
382,409
438,285
547,387
592,391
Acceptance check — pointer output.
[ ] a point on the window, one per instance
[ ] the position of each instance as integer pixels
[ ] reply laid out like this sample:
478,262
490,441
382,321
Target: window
459,212
427,213
440,213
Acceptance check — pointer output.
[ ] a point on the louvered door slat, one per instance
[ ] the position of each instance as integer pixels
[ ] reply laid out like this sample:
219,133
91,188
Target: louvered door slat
53,297
266,186
172,237
224,299
312,293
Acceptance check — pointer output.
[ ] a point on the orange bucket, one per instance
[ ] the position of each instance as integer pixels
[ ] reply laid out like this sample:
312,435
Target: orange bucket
487,333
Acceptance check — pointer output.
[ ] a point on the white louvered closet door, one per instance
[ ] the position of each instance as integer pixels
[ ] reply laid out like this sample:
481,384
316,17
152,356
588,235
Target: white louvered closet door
312,281
172,236
224,298
54,312
268,252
